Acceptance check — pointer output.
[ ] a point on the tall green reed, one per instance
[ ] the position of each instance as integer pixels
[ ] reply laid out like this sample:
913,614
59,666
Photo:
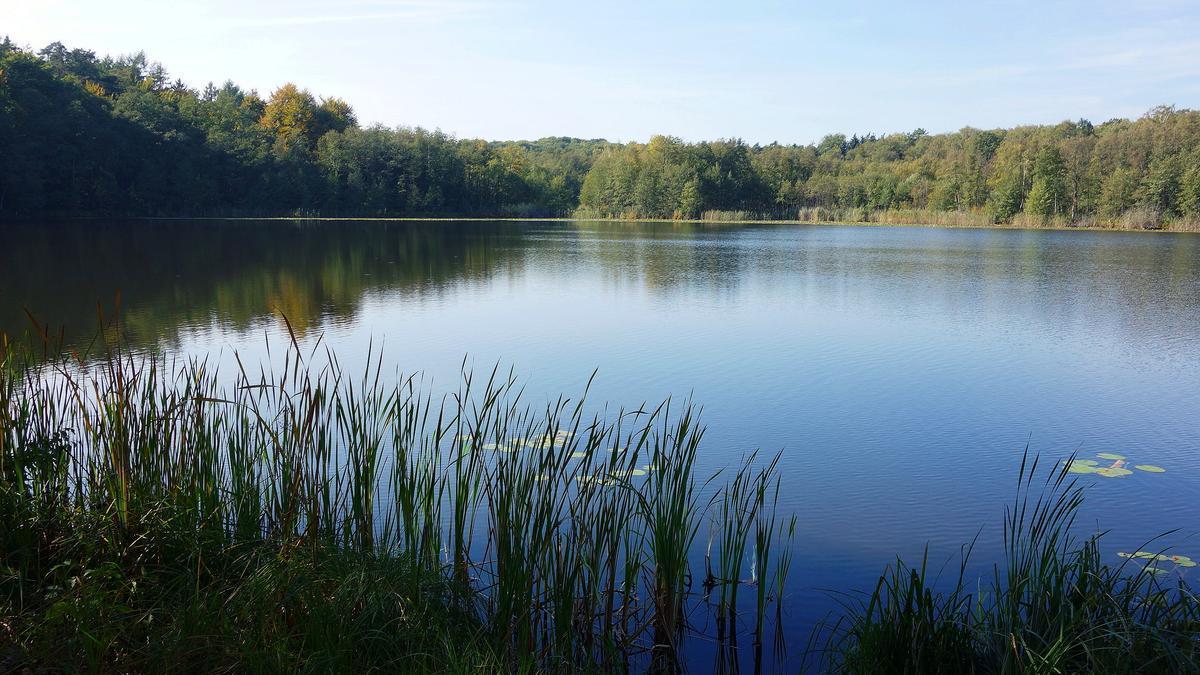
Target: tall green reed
568,532
1052,605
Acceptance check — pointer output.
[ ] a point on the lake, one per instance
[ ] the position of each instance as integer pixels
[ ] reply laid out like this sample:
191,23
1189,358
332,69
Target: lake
901,370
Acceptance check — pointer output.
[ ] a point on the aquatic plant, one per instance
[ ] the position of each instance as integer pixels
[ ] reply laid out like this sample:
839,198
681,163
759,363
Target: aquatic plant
1051,605
557,537
1116,469
1179,561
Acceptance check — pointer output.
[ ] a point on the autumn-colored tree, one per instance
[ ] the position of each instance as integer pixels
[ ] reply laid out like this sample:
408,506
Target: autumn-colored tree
290,115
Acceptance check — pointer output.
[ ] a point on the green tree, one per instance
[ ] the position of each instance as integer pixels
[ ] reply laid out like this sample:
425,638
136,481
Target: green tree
1189,191
1007,198
690,199
985,145
1048,195
1117,192
82,135
1160,186
833,143
333,114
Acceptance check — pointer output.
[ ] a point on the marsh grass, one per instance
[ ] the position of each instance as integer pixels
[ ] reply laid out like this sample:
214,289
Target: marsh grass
1051,606
298,517
1135,219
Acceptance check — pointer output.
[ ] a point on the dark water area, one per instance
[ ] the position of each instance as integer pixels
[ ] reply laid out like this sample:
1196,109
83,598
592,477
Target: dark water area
902,371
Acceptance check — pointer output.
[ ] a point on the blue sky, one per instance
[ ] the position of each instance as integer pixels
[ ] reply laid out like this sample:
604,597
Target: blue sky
762,71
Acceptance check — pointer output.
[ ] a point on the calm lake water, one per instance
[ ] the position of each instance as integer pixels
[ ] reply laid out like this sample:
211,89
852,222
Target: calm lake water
902,371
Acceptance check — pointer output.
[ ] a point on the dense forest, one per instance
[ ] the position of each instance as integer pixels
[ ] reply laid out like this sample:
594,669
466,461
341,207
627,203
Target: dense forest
85,135
1143,173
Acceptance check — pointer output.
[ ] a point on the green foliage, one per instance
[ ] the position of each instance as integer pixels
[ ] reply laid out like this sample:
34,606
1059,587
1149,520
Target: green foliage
985,144
157,516
1160,186
1067,171
1189,198
333,114
1007,198
85,135
1051,606
667,178
1047,197
691,202
248,607
1117,192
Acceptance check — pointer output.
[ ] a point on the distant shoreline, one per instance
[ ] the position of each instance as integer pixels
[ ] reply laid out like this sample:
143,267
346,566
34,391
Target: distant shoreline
693,221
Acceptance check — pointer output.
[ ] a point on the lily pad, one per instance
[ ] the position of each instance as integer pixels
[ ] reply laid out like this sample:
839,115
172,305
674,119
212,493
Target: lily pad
1155,570
1156,558
1113,472
1150,468
1076,467
1110,455
1080,462
578,455
510,446
547,438
1146,555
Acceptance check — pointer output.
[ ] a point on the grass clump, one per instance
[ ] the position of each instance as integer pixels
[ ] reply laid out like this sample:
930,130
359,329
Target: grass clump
1052,605
145,528
158,515
104,605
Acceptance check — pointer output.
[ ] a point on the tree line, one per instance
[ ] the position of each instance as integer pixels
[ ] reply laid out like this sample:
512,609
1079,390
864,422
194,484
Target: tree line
1144,172
81,134
86,135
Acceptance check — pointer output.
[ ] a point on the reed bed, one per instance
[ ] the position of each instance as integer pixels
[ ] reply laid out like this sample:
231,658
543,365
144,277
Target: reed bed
1051,605
1137,218
159,515
298,517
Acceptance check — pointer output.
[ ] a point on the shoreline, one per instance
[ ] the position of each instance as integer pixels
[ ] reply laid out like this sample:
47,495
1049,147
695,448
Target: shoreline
694,221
